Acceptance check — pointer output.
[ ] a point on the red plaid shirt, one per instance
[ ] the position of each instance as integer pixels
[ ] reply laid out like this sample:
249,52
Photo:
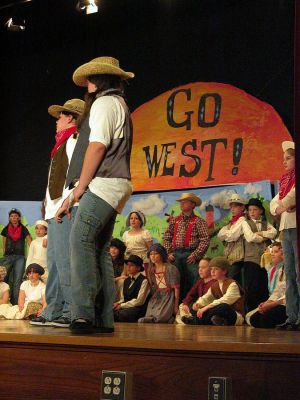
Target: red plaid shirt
199,240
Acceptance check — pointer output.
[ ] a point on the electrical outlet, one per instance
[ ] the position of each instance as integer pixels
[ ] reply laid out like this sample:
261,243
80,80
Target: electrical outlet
219,388
116,385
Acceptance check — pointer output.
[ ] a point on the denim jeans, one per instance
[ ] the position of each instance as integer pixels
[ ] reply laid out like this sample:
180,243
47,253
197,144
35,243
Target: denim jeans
291,268
58,288
188,272
92,274
15,266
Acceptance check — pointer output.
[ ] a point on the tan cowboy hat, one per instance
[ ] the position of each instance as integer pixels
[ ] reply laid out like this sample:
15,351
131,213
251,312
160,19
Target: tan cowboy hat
75,106
192,197
41,222
99,66
236,198
287,145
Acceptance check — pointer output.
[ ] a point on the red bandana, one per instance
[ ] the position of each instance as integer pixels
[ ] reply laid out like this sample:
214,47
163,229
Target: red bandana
287,181
14,232
236,217
61,137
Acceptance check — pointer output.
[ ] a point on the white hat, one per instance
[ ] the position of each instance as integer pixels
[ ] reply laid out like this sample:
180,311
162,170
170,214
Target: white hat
236,198
287,145
41,222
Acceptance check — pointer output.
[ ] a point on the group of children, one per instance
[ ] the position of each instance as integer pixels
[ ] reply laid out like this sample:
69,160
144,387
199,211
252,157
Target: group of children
232,288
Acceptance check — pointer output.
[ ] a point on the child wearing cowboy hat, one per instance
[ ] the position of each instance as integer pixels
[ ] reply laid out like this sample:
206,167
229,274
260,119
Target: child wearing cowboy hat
284,205
257,232
186,241
59,226
134,293
38,247
104,186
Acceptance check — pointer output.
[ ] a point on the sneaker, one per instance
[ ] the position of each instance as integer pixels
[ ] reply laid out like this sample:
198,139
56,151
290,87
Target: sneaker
189,320
61,322
40,321
81,327
287,326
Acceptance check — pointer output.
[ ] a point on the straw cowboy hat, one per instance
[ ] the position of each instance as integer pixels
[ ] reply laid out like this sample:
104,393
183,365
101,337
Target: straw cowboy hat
99,66
74,106
287,145
192,197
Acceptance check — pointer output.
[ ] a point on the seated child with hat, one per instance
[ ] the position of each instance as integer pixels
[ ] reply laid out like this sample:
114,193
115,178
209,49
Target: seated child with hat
198,290
134,293
223,304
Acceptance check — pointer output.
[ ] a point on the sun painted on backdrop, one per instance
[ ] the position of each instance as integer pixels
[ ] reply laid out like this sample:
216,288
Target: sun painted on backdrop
205,134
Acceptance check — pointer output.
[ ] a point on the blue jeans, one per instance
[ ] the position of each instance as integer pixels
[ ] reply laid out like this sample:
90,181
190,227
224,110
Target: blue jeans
291,267
188,272
58,288
15,266
92,274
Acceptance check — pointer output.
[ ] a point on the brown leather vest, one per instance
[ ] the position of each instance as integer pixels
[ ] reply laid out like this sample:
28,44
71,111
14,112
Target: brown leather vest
217,293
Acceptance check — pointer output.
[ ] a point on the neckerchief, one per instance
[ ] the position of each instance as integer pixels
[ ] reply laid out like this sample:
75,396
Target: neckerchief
14,232
287,181
61,137
236,217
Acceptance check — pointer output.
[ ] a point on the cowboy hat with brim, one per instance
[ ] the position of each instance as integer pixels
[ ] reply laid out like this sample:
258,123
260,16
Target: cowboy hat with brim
190,196
73,106
100,66
136,260
287,145
255,202
236,198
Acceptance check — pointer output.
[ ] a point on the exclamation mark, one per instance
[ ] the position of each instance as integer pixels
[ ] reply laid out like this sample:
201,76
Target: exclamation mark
237,153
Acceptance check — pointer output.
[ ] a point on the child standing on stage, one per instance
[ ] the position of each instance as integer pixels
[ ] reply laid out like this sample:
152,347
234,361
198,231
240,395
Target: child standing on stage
284,204
38,247
223,304
257,231
137,240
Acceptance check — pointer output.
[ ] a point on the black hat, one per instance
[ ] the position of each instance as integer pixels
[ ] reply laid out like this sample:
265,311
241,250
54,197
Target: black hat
118,244
35,268
136,260
255,202
15,211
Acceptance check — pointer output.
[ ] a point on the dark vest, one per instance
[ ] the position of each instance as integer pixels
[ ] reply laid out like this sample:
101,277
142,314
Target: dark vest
116,162
254,251
58,170
132,292
217,293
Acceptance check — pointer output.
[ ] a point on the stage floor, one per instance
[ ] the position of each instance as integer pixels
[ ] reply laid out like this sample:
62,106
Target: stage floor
241,339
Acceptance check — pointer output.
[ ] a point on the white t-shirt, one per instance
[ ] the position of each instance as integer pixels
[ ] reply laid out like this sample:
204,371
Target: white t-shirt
107,118
33,293
51,206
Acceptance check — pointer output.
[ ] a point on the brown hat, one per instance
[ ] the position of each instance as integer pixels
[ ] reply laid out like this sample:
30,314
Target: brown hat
74,106
99,66
220,262
192,197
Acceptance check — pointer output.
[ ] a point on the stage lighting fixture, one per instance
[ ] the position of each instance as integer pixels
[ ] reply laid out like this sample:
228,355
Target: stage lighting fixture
89,6
15,25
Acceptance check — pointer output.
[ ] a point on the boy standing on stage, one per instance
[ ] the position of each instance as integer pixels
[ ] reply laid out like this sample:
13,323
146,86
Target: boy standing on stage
186,241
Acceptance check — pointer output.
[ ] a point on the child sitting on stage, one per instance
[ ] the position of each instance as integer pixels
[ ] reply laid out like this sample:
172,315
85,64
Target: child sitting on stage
4,287
272,312
31,299
223,304
137,240
37,253
134,293
198,290
277,264
164,281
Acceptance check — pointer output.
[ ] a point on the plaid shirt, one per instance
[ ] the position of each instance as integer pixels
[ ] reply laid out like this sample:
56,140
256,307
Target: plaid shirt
199,240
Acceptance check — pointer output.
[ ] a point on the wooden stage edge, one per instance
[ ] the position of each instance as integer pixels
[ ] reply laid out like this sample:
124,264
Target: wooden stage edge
162,337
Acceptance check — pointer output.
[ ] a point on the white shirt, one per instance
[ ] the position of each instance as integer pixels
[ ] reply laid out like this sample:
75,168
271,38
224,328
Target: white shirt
4,287
232,233
33,293
280,288
37,253
107,118
141,298
230,297
250,236
287,220
51,206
